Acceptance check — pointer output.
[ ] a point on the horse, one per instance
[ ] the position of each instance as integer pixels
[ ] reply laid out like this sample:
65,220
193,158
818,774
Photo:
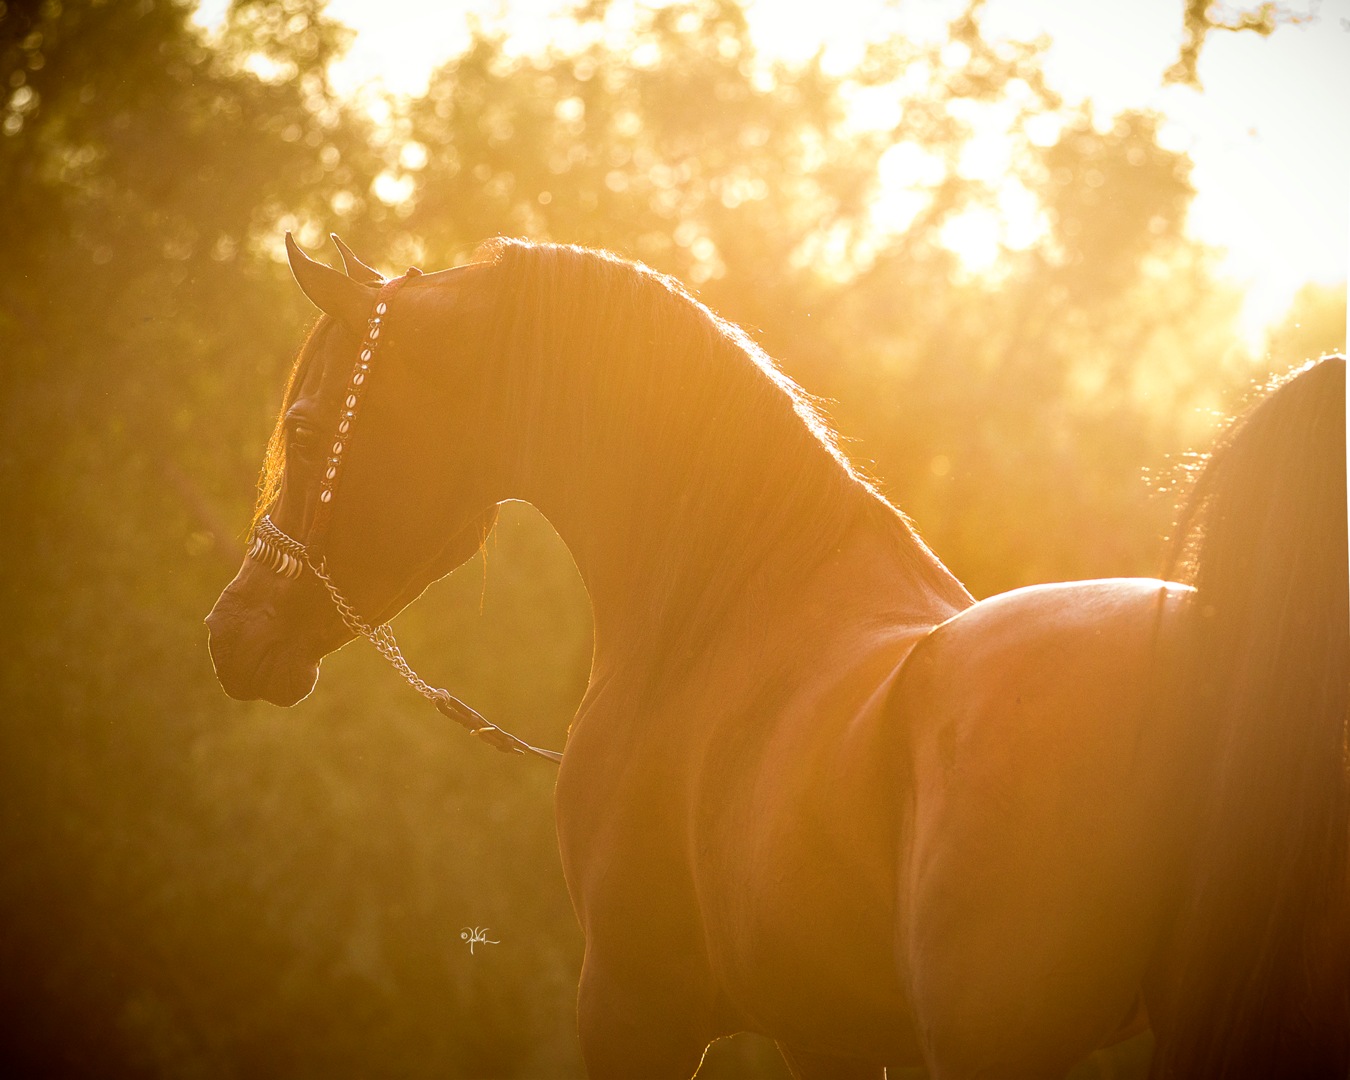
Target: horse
813,789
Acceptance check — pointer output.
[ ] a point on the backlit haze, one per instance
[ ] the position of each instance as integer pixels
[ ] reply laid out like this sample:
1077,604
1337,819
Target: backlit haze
1017,338
1266,133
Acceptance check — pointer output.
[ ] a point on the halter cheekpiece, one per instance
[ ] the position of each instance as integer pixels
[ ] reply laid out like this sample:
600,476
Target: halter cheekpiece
272,547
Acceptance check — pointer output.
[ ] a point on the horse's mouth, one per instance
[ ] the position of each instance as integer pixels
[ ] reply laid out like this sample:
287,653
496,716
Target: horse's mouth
253,665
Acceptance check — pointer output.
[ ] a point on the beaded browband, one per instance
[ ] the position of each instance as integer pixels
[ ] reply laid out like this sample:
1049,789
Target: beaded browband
281,553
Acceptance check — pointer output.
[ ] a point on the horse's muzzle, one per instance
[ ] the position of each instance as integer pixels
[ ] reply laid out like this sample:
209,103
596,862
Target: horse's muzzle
254,657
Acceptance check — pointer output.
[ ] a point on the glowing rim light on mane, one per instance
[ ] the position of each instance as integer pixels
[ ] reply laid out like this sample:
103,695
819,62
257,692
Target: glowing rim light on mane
270,546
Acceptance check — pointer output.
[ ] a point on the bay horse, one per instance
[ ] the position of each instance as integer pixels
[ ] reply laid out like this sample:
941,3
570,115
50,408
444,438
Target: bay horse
813,789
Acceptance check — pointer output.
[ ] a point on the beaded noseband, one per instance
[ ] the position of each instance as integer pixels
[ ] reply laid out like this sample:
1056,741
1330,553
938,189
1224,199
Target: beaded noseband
272,547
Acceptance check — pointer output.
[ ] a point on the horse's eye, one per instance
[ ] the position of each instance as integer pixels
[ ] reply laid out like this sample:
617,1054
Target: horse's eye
302,435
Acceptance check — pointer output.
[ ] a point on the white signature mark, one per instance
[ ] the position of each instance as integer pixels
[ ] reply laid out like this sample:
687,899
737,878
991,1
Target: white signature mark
477,935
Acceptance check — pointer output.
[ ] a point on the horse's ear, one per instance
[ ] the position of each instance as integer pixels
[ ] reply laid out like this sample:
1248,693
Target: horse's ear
355,268
344,298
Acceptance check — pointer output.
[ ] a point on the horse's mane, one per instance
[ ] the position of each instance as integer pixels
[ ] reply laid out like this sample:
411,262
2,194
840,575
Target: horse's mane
728,440
638,324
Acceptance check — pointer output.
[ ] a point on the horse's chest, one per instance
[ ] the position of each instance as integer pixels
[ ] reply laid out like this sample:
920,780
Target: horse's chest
796,865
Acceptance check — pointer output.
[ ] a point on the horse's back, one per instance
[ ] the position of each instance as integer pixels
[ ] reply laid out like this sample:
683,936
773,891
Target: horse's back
1042,853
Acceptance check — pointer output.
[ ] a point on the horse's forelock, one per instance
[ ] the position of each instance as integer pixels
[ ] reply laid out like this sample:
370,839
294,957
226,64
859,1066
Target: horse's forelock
274,458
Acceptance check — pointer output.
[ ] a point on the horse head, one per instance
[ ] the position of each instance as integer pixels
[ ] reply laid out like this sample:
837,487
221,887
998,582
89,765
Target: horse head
383,503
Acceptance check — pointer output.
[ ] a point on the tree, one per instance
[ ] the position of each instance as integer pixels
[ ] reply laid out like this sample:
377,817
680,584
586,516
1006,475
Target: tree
1200,18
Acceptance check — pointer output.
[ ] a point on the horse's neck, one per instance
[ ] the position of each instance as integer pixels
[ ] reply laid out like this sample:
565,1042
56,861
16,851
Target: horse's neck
869,581
669,549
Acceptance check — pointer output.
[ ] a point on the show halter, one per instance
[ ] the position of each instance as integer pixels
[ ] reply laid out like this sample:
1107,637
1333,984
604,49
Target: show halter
289,557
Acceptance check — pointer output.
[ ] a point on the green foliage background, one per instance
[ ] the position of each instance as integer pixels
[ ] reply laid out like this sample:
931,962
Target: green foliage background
193,887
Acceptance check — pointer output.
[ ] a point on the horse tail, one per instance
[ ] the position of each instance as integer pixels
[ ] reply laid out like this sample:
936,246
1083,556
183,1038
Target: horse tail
1256,976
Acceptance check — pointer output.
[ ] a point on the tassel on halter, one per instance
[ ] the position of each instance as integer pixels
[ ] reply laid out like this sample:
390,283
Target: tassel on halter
288,566
275,550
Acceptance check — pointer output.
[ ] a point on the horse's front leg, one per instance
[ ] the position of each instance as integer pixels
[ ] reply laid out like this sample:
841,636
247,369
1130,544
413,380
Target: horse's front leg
808,1066
652,1023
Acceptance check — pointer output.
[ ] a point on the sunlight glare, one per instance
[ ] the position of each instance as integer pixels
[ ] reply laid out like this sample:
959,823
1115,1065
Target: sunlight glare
988,155
1024,222
1270,170
974,237
210,14
399,43
906,173
393,190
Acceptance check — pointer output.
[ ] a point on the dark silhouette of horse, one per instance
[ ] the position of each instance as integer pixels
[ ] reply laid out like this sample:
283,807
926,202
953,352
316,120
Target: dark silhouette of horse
813,790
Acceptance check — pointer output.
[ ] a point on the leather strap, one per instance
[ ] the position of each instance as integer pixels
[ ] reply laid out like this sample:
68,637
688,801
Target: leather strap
352,397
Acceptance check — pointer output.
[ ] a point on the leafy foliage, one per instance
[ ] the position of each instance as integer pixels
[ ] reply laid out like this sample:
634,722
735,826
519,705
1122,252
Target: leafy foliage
1202,17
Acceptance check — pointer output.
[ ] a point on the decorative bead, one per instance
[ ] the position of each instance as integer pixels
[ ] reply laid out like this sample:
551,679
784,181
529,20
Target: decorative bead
326,496
351,401
365,356
374,333
358,378
331,473
344,427
381,308
337,448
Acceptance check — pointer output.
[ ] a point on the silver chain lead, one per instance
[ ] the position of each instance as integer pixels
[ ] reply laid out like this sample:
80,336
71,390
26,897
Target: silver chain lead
382,637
